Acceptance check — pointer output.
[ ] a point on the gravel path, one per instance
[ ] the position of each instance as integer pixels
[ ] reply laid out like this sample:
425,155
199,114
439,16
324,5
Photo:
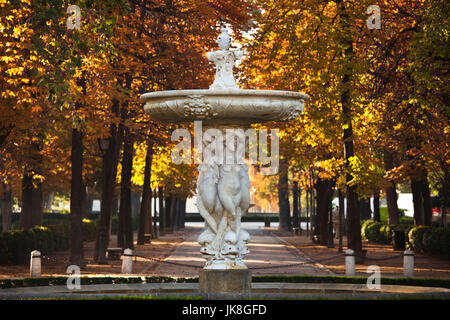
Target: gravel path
266,252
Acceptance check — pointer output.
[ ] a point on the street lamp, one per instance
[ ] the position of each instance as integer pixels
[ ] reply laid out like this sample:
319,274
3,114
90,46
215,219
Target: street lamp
103,144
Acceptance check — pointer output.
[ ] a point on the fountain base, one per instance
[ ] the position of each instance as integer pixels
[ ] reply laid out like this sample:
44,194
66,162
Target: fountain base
225,281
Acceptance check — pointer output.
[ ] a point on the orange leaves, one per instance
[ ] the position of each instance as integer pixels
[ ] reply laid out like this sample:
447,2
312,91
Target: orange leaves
14,71
36,109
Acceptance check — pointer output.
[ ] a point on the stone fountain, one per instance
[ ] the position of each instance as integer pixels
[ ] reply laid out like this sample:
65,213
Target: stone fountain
223,185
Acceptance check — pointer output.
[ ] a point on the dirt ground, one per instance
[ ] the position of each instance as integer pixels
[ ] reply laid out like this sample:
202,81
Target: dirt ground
426,266
56,263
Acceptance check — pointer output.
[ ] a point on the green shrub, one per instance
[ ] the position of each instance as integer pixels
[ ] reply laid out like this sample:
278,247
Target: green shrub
407,220
372,232
430,241
16,245
365,224
434,240
52,218
89,229
386,234
415,237
437,241
61,280
444,240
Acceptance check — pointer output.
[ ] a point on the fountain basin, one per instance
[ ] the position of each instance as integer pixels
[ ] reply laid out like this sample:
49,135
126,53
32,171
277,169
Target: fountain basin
233,106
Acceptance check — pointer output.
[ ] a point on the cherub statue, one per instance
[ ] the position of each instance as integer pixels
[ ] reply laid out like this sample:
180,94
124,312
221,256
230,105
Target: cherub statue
224,60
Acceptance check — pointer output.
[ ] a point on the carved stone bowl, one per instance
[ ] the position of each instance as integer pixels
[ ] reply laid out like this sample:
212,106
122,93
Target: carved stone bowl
237,106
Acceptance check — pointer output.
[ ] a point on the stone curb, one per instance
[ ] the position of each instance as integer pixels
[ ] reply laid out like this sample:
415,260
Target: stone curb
276,290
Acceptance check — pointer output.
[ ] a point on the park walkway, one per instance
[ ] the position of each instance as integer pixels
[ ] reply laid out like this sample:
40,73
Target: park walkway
269,255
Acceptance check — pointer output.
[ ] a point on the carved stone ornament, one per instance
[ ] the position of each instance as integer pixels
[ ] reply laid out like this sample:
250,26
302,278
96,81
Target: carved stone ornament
294,112
195,106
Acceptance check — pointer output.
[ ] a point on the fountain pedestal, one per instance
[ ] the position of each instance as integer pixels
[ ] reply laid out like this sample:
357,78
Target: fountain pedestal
225,281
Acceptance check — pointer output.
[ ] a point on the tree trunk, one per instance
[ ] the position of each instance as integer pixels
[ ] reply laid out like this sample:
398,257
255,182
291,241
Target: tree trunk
364,209
324,193
162,215
167,207
25,219
444,195
283,197
48,201
308,215
183,214
295,198
177,215
376,206
322,211
6,207
149,220
330,219
315,225
391,192
87,201
110,161
76,200
341,218
155,218
173,202
300,209
427,208
31,214
416,189
135,203
146,195
354,240
125,230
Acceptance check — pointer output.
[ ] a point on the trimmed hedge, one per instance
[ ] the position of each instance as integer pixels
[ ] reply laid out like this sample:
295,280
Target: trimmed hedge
373,232
16,245
62,280
434,240
48,219
89,229
381,232
364,226
423,282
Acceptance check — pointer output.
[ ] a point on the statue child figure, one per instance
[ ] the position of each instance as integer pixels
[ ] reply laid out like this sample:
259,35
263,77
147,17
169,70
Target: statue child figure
224,60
